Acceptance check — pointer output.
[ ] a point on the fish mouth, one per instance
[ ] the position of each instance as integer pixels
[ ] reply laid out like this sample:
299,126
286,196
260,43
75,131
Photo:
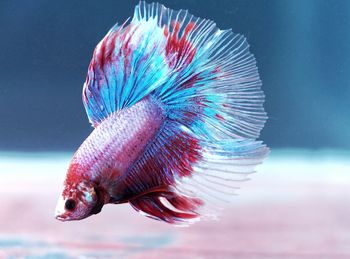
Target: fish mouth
61,217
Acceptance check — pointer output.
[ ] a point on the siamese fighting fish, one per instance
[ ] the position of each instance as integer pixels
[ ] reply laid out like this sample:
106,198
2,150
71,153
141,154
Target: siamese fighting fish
176,106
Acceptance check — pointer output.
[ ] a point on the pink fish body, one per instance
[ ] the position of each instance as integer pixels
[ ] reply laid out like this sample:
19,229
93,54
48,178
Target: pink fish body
177,107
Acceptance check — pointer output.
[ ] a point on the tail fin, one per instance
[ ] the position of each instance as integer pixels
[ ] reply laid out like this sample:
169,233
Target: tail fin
206,81
214,93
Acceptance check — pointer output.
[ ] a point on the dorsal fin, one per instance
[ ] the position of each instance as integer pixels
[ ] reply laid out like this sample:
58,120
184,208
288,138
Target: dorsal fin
201,73
126,66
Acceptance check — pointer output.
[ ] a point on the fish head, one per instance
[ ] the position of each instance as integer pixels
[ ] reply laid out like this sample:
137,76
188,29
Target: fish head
78,201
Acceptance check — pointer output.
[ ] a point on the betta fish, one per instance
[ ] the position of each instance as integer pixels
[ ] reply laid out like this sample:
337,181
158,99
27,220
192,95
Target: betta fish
176,106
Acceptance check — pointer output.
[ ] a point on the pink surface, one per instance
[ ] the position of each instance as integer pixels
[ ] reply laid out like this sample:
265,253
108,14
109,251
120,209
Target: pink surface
294,208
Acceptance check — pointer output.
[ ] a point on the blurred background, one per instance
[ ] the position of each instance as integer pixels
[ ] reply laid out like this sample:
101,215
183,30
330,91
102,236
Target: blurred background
295,207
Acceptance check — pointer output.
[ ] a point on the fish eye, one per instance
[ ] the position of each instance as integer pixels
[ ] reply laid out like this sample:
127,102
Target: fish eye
70,204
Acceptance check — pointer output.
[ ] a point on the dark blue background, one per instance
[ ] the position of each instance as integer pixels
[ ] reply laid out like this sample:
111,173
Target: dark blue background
302,48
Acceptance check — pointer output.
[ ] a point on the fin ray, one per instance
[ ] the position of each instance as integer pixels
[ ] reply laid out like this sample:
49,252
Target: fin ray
156,206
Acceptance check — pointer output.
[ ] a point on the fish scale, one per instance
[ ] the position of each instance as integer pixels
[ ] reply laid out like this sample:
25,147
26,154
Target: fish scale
120,138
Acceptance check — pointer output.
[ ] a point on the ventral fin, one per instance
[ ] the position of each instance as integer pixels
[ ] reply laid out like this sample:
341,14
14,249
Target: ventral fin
167,206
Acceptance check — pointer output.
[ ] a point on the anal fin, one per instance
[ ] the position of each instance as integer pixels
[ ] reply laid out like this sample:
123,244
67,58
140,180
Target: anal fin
167,206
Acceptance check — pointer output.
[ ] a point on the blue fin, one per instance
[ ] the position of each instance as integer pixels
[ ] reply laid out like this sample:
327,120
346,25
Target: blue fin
206,77
127,65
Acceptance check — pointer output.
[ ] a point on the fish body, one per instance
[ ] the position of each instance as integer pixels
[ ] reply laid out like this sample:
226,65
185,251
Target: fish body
176,105
118,141
112,148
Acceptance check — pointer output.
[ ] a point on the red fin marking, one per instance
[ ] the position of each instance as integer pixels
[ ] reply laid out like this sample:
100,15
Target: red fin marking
154,208
219,117
101,54
164,161
185,203
180,46
190,82
166,31
107,46
188,148
130,32
111,45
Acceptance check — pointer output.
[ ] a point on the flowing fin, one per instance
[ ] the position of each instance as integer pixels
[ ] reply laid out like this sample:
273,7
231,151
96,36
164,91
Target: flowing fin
223,167
206,81
206,172
167,206
215,90
127,65
206,77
